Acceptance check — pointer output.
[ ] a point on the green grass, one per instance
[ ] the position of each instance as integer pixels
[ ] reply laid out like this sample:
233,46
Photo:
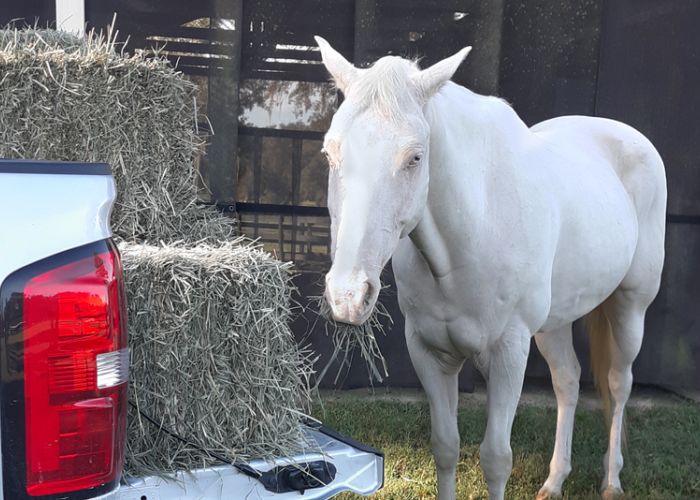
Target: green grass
662,460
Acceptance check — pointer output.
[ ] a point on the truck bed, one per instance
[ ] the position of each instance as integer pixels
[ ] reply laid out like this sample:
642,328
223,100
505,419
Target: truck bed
360,469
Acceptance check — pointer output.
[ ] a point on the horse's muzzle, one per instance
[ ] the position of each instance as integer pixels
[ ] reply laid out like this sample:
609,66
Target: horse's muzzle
351,299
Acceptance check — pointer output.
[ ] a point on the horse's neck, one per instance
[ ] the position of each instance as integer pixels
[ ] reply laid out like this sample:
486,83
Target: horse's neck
473,146
472,135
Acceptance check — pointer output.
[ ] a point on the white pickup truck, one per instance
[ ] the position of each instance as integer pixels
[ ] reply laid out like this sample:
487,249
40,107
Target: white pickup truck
64,361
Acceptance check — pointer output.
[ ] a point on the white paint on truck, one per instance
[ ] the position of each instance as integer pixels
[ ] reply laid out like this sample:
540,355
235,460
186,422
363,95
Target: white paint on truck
45,214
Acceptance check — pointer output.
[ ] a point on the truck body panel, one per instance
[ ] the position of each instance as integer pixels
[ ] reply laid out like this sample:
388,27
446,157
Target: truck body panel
50,208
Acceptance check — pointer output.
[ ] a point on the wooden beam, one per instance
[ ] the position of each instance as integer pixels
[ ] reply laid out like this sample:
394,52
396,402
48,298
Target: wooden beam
222,108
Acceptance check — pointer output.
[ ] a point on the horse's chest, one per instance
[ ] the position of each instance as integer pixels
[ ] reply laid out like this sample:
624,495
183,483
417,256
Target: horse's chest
447,313
442,328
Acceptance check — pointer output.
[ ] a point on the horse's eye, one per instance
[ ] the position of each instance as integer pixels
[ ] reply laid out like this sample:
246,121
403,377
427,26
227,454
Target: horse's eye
415,161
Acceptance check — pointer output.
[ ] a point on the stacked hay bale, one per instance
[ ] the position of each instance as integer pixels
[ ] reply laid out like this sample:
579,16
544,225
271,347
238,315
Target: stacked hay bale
211,332
65,98
215,369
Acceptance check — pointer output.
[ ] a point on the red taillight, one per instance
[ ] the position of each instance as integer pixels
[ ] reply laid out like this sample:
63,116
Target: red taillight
76,366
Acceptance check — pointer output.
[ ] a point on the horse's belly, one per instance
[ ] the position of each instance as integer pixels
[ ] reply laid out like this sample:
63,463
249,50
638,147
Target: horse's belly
594,254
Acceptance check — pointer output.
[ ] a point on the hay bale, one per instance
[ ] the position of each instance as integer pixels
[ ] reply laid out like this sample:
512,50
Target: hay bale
27,36
212,357
73,99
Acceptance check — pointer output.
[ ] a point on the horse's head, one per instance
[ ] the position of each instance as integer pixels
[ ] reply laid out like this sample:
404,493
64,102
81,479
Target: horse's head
377,149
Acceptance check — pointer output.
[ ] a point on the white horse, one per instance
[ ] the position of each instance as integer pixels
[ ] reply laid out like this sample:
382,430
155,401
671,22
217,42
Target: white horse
498,232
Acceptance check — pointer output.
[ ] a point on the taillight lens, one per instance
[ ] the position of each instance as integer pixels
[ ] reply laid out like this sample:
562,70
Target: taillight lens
75,372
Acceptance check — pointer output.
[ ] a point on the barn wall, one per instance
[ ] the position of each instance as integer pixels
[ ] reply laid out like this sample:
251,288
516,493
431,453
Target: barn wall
633,60
28,12
649,77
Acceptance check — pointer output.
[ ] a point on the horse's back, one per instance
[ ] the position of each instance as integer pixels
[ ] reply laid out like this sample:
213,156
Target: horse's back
633,157
610,183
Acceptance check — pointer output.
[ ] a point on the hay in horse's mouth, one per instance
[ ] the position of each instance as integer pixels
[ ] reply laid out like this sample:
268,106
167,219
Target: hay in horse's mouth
348,339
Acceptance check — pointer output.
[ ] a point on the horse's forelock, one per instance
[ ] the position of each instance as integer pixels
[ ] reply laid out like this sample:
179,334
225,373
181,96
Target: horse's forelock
386,87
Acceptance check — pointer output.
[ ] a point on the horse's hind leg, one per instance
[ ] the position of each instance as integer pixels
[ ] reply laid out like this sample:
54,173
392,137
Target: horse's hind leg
558,350
439,379
625,311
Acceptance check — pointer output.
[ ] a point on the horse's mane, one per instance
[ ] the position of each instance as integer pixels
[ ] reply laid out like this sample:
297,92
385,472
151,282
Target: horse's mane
383,87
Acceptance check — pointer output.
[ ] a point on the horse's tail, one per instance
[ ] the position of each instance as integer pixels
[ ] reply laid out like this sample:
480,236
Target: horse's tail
600,339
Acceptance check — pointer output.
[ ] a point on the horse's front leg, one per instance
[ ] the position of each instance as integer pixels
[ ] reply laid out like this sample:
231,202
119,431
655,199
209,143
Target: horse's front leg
438,375
504,372
558,350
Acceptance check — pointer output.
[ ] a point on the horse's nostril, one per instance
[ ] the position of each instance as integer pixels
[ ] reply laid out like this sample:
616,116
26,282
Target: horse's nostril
369,291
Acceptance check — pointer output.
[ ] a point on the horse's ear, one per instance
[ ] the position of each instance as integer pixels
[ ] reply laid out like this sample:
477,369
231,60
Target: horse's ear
431,79
342,71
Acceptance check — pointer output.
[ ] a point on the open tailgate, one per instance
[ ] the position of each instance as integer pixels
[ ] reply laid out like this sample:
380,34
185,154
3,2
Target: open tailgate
359,468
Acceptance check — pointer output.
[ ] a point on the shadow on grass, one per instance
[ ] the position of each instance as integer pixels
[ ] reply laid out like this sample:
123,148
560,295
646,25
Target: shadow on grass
662,460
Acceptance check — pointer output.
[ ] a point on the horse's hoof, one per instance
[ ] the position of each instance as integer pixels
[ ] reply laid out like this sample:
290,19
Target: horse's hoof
611,493
547,494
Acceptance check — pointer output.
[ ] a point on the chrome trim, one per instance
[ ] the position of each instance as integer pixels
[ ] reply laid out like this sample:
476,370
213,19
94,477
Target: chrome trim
112,368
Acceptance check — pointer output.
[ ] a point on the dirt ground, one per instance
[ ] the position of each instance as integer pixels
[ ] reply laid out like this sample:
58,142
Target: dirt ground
533,395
